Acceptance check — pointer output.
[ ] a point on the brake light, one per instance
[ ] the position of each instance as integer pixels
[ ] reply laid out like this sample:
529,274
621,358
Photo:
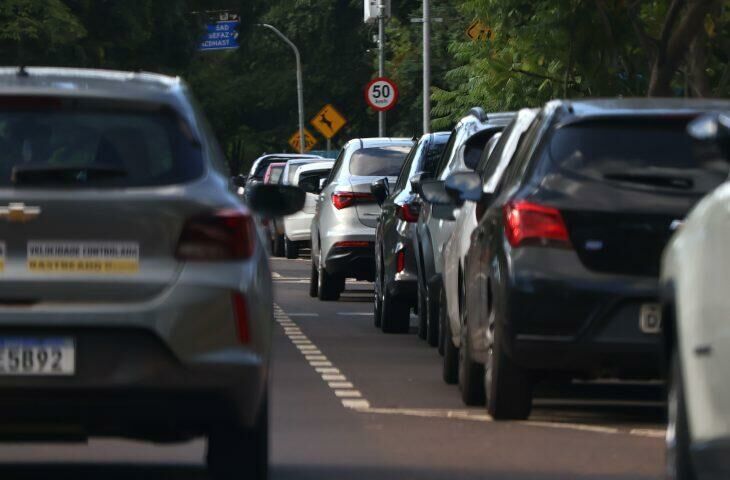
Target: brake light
408,212
400,263
352,244
527,222
240,313
224,235
347,199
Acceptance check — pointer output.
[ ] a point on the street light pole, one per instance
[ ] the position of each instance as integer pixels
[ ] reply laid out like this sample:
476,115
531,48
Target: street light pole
381,60
426,66
300,85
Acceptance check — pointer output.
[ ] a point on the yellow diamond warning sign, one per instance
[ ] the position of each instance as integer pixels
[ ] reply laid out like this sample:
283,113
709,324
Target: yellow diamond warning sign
309,141
328,121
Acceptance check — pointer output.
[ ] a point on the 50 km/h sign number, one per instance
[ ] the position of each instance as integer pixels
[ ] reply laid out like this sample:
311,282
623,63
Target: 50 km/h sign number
381,94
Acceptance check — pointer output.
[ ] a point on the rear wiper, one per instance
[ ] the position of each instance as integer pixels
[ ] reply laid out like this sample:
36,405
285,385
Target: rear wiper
667,181
34,174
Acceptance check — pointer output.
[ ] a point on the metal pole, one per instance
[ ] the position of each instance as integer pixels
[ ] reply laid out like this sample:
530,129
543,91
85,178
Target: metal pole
300,83
426,66
381,61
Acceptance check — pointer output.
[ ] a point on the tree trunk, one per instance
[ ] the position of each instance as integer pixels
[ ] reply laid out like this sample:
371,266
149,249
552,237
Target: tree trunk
683,24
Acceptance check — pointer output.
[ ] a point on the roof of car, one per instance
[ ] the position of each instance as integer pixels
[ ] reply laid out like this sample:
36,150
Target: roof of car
287,156
86,82
297,161
637,106
323,165
382,141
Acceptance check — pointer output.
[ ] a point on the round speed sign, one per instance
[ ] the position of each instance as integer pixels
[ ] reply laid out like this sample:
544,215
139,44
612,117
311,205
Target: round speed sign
381,94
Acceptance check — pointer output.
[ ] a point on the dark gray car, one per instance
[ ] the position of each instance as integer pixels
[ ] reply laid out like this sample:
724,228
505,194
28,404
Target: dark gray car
396,278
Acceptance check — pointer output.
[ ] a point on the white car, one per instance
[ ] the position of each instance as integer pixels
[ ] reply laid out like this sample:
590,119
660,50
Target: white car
297,227
495,158
695,279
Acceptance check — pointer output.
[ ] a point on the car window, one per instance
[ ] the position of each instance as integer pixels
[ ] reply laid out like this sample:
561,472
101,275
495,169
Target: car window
317,174
523,153
336,167
448,152
378,161
276,174
436,148
410,163
134,148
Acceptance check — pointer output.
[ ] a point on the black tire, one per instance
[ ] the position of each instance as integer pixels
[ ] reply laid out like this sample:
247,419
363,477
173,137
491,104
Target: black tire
422,314
678,459
507,386
378,296
450,370
471,373
291,249
433,306
278,249
395,314
313,281
329,286
236,452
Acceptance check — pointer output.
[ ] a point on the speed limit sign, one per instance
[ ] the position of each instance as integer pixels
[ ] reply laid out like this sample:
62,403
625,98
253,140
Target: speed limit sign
381,94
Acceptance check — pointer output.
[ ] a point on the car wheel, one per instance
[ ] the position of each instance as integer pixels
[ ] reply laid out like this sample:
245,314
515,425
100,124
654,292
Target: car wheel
396,314
313,281
471,373
236,452
378,297
450,371
291,249
679,463
278,249
422,313
433,297
507,386
329,286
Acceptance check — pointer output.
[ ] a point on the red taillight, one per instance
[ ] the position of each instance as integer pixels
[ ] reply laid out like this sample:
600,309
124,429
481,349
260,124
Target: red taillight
347,199
240,313
408,212
223,235
400,263
527,222
352,244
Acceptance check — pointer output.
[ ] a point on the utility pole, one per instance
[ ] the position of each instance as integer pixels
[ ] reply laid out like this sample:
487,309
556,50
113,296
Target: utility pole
381,60
426,66
300,83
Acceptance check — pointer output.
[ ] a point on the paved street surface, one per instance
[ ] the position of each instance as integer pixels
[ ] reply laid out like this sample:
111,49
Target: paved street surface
352,403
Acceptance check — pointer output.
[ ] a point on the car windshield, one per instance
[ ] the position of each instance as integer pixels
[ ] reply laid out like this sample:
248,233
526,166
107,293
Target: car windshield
378,161
275,173
77,147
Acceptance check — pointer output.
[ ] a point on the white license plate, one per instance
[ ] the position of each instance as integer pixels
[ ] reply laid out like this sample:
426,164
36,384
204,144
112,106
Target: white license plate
21,356
650,318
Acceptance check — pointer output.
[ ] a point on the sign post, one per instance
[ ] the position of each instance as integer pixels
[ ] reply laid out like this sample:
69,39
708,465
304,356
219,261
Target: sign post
381,94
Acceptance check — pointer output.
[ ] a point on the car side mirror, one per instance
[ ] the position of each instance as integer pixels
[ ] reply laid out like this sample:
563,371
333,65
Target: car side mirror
417,180
435,193
379,188
239,180
710,131
309,185
274,200
464,187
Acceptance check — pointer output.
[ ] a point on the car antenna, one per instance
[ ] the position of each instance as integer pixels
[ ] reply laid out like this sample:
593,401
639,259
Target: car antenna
22,72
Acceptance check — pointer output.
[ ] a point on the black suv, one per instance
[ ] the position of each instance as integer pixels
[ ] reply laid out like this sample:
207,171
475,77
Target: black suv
563,265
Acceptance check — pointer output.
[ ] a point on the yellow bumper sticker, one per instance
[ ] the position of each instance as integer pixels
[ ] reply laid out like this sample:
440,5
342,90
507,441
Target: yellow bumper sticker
83,257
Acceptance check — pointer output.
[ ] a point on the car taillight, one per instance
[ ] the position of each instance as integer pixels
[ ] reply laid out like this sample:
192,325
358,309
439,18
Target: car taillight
400,261
530,223
408,212
240,313
352,244
223,235
347,199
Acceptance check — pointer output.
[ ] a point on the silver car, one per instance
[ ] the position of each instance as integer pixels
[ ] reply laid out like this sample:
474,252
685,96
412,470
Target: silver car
343,229
136,293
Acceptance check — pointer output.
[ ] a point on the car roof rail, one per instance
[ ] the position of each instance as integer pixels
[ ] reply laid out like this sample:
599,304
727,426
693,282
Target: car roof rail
479,113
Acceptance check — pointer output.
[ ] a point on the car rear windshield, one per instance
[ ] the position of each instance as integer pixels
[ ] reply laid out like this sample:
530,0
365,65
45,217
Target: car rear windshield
647,152
263,165
276,174
378,161
96,148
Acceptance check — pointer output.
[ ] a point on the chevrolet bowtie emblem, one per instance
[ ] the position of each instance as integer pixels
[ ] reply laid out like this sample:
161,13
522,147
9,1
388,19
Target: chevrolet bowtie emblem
19,213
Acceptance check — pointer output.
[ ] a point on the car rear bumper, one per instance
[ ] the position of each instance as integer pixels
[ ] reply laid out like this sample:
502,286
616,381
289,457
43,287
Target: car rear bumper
561,316
357,262
128,383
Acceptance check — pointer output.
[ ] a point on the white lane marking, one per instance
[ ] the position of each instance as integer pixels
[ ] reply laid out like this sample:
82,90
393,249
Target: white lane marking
304,314
356,314
352,398
275,275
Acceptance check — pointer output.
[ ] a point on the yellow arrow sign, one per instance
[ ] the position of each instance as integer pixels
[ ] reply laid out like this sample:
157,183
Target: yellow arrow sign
479,30
309,141
328,121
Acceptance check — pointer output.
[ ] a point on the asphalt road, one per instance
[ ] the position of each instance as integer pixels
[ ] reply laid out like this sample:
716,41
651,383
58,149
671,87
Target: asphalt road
349,402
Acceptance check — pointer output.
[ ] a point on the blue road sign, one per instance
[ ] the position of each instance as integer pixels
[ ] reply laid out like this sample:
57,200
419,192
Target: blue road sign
220,36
